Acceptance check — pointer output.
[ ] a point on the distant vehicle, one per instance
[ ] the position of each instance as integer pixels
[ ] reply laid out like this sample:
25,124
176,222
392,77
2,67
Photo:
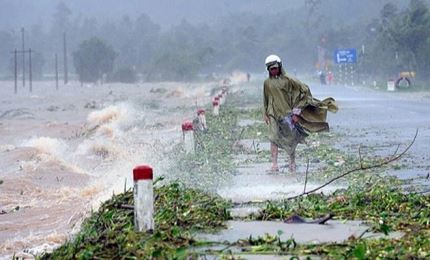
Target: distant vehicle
404,79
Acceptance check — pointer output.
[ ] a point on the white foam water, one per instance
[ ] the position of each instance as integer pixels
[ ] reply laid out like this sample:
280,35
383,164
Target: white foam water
47,145
69,158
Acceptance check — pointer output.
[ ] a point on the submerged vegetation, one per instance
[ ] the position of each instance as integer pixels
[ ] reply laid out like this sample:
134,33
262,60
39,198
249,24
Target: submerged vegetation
109,232
381,204
180,211
211,164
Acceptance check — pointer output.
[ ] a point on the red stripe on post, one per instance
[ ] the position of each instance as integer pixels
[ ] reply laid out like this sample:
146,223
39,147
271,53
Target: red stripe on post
214,103
187,126
142,172
200,111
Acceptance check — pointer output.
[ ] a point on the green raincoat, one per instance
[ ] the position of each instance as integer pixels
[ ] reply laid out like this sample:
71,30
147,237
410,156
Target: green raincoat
281,95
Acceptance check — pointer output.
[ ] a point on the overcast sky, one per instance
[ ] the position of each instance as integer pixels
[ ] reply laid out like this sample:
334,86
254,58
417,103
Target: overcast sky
15,13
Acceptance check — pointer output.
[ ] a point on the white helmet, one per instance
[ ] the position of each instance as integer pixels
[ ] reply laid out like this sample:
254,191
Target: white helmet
272,59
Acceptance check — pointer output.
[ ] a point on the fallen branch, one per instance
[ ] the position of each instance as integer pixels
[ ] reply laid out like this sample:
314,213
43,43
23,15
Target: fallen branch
126,206
306,176
361,168
395,152
359,155
422,192
363,233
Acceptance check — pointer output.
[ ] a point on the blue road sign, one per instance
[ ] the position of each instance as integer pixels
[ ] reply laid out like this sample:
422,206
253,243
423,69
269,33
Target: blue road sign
345,56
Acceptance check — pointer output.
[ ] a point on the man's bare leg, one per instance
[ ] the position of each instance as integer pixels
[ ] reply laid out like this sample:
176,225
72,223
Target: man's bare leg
274,152
292,166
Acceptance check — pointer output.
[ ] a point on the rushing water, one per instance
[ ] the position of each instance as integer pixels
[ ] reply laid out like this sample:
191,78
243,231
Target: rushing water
63,152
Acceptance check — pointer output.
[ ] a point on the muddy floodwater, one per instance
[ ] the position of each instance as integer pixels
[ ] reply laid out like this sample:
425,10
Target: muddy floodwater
63,152
334,231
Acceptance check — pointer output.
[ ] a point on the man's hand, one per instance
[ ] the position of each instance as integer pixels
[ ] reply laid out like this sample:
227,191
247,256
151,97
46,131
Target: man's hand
296,111
266,119
295,114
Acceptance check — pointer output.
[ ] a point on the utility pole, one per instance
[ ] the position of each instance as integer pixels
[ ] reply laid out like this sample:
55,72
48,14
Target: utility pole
30,71
56,71
16,71
66,76
23,57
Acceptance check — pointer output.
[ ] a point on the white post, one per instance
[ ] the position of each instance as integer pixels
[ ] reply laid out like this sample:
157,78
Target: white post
188,136
201,114
215,105
391,85
221,99
143,199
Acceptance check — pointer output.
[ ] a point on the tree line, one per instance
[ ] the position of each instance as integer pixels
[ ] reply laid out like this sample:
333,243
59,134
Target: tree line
390,38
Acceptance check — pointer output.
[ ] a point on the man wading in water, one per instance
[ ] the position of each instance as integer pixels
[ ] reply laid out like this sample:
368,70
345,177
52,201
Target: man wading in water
291,112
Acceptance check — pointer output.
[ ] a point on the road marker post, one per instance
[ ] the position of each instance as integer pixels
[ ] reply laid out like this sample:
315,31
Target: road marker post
391,85
215,105
143,195
188,136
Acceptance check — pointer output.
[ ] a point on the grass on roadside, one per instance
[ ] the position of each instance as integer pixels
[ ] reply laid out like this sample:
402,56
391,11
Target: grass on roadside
380,203
109,232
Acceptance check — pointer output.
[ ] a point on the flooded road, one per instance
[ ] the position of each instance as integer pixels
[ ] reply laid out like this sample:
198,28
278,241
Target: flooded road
62,153
334,232
379,123
383,121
